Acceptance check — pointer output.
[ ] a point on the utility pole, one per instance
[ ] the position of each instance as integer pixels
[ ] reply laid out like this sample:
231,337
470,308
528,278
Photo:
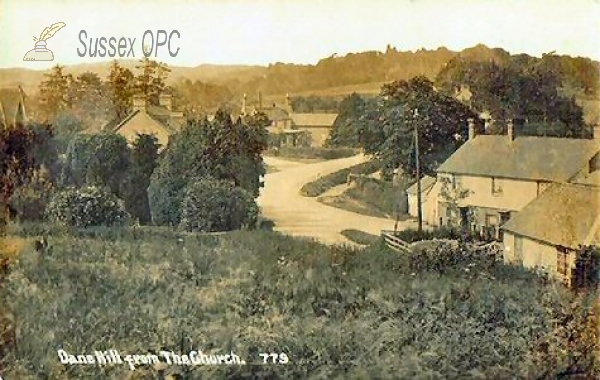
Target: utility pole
419,204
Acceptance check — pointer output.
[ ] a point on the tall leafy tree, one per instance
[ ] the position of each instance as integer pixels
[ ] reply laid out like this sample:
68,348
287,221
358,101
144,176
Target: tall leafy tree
221,149
121,89
343,132
100,160
386,128
524,88
24,148
54,93
90,100
151,81
144,158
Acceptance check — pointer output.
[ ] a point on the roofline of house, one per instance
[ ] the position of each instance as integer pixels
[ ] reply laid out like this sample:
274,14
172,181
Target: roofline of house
537,240
502,177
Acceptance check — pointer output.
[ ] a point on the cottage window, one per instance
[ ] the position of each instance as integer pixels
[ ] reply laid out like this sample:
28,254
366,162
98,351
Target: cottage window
496,186
562,263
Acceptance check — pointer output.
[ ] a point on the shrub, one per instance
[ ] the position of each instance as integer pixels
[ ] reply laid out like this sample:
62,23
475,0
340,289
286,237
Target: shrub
411,235
214,205
165,194
30,200
84,207
321,185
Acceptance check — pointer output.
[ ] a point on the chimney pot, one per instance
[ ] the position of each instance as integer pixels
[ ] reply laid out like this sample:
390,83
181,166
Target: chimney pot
472,130
511,129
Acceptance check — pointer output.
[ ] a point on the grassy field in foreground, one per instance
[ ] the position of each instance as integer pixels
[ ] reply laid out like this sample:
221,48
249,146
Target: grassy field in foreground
337,312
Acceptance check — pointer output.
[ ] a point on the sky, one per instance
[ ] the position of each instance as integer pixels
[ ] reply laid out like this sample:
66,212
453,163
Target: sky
298,31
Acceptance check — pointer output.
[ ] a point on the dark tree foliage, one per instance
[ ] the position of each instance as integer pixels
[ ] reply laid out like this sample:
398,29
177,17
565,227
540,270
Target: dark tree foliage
386,128
24,148
586,273
313,104
343,132
121,87
215,205
524,88
98,160
144,158
221,149
200,97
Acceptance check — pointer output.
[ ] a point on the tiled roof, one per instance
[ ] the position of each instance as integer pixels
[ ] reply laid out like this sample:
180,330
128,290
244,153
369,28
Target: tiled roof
532,158
564,214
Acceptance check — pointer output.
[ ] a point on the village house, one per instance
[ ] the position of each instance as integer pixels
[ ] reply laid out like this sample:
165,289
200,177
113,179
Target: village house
502,174
158,120
548,232
291,128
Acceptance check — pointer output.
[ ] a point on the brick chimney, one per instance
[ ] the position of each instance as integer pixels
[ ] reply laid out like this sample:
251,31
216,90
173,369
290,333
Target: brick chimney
139,103
511,129
472,129
165,100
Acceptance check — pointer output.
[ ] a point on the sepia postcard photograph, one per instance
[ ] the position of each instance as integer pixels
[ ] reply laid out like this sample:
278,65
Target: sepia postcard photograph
299,189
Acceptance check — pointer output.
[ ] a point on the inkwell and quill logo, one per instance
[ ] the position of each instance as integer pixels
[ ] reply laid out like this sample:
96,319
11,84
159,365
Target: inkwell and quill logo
40,52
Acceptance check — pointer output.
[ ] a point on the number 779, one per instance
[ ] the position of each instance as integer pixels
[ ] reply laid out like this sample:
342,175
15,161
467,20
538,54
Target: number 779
273,358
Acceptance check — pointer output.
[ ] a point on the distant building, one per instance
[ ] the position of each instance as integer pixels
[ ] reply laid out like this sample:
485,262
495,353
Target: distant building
317,124
161,121
548,232
504,173
294,128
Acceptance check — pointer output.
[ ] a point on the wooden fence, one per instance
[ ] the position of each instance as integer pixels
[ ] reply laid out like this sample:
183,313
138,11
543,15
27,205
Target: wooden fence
394,242
399,245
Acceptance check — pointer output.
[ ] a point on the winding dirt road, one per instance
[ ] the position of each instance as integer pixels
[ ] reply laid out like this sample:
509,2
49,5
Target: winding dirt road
297,215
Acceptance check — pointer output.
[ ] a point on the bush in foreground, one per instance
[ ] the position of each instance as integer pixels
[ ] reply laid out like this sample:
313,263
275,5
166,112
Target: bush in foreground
211,205
85,207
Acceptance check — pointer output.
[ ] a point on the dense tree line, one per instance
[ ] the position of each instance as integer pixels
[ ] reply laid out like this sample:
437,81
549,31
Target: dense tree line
384,126
533,90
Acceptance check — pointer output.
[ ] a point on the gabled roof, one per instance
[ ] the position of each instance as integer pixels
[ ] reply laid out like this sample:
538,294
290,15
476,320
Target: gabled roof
123,122
531,158
426,183
314,119
10,98
565,215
